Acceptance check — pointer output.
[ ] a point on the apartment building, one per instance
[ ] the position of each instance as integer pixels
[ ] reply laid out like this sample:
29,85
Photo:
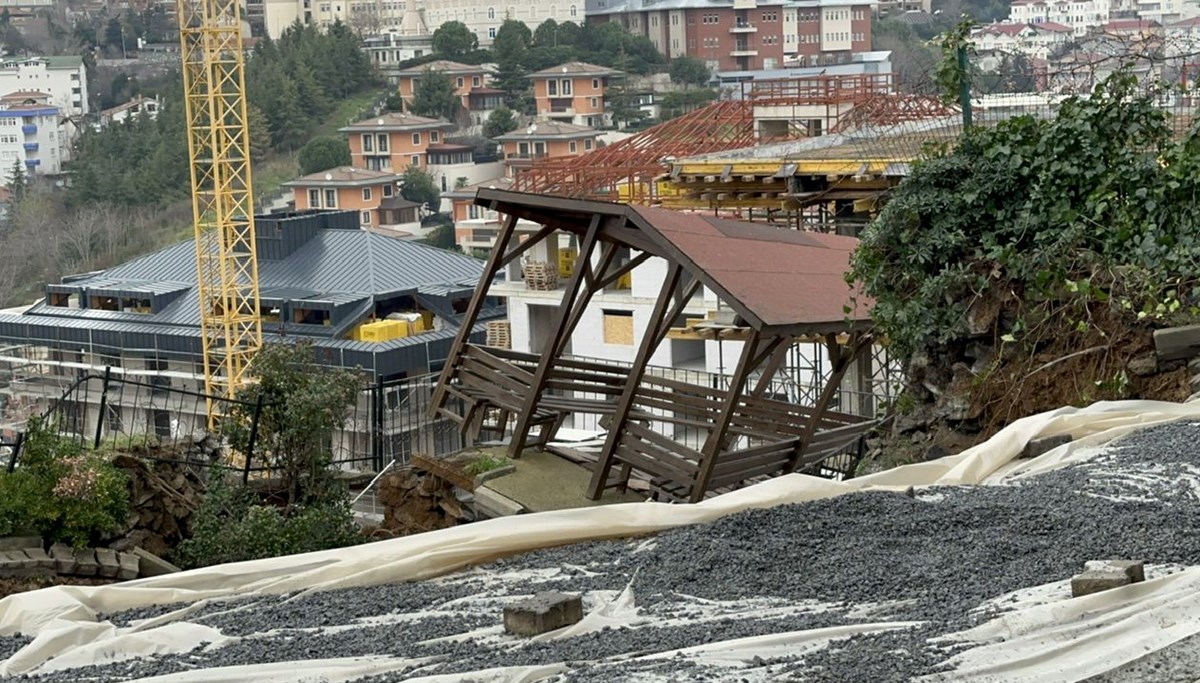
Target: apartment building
393,141
453,165
367,16
373,194
33,133
573,93
470,84
1033,40
484,17
63,79
394,45
746,35
544,140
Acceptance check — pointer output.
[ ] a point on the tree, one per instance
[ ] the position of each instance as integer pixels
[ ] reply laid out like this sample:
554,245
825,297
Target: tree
453,40
18,182
512,79
303,403
434,96
260,133
499,122
442,237
689,71
546,34
323,153
512,40
418,186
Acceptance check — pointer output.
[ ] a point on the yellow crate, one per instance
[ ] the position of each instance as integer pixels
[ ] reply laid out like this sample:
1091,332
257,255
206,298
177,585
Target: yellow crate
625,281
566,261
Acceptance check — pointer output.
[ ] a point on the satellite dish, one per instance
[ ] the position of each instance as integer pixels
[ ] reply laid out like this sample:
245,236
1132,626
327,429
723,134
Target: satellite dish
328,176
564,69
380,122
531,129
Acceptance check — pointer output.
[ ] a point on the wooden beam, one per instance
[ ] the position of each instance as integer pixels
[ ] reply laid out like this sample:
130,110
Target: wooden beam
528,244
615,275
492,267
715,443
840,360
654,331
550,353
778,356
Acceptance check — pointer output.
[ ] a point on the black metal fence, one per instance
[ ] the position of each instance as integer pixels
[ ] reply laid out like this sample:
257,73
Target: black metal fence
389,422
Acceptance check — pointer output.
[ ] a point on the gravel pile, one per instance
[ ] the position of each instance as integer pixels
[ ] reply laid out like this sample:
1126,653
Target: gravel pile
934,559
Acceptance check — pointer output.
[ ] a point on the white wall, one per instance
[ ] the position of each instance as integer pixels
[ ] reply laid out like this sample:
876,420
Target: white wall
474,173
60,83
485,16
51,138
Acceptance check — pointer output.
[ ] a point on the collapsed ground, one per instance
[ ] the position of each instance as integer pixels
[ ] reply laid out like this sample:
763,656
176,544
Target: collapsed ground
869,557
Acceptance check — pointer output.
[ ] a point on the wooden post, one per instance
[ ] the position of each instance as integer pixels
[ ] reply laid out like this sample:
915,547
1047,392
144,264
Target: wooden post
654,332
495,261
772,367
713,445
839,360
550,352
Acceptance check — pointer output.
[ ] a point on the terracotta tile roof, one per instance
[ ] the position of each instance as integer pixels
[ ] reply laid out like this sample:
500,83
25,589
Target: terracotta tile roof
394,121
549,129
446,66
575,69
343,176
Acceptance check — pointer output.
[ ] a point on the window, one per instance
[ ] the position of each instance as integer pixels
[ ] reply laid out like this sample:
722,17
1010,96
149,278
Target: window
443,183
365,218
330,199
574,11
595,103
433,136
387,190
552,88
382,142
367,141
492,32
618,327
416,160
366,194
587,144
573,147
459,82
595,84
314,199
475,81
492,15
416,138
566,87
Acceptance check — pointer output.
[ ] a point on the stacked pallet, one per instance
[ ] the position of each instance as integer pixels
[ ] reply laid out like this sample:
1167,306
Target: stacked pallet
499,334
540,276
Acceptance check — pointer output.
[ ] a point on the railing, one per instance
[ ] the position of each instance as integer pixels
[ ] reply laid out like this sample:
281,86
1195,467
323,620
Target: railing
388,422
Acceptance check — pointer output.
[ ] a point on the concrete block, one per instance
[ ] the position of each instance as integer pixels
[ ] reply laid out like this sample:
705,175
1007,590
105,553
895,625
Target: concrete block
107,559
150,564
1095,581
39,556
542,613
1134,569
1045,444
64,558
490,503
20,542
130,566
15,563
85,562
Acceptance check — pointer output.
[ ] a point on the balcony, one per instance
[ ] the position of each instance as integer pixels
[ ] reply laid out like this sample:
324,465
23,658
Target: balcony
743,50
525,155
32,163
29,129
743,27
562,105
31,146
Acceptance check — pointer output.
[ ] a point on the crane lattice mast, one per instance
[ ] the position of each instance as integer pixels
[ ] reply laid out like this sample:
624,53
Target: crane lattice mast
214,81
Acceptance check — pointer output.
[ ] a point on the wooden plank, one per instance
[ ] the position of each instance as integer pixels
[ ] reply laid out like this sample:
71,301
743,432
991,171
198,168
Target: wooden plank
715,443
652,462
662,441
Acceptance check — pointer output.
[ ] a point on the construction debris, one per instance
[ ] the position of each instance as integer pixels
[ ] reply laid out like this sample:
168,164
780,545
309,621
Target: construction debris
542,613
415,501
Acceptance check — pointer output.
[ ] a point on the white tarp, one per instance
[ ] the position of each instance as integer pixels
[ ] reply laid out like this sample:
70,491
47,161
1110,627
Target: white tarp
63,619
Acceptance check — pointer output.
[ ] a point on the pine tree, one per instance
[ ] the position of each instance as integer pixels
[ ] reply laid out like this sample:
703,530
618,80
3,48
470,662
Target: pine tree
260,133
17,182
434,96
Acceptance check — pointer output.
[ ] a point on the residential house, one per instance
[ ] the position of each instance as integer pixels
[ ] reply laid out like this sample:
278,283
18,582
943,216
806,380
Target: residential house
33,132
453,165
573,92
466,77
393,141
1032,40
746,35
138,106
545,140
373,194
63,79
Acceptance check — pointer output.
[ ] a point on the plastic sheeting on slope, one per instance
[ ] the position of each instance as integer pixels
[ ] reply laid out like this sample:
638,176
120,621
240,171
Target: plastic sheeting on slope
63,618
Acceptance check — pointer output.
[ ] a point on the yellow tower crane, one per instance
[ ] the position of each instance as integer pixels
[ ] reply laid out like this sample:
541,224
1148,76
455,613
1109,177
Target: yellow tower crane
214,82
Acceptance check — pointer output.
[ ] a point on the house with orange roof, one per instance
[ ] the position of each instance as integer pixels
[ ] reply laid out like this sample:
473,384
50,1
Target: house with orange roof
545,140
393,141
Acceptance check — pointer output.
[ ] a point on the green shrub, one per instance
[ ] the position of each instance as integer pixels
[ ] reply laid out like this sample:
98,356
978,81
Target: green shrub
62,492
486,463
232,525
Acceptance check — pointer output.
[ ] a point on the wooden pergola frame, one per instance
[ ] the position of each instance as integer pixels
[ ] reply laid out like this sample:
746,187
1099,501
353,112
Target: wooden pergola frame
746,435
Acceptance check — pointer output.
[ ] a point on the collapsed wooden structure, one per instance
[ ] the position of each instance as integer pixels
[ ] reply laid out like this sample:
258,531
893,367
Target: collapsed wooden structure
783,286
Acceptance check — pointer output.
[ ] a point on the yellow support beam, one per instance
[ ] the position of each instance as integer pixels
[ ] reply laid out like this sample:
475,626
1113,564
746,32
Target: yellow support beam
210,35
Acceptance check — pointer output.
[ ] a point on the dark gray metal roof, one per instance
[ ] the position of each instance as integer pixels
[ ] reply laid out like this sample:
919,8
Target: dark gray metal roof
340,267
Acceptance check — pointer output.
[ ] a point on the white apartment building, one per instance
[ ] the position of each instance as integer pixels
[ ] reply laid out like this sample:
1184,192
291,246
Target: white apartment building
33,133
62,78
375,17
369,17
1084,16
1033,40
484,17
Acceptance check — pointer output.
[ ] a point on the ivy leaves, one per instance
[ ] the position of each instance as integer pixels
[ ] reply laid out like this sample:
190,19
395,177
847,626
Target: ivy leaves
1032,205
